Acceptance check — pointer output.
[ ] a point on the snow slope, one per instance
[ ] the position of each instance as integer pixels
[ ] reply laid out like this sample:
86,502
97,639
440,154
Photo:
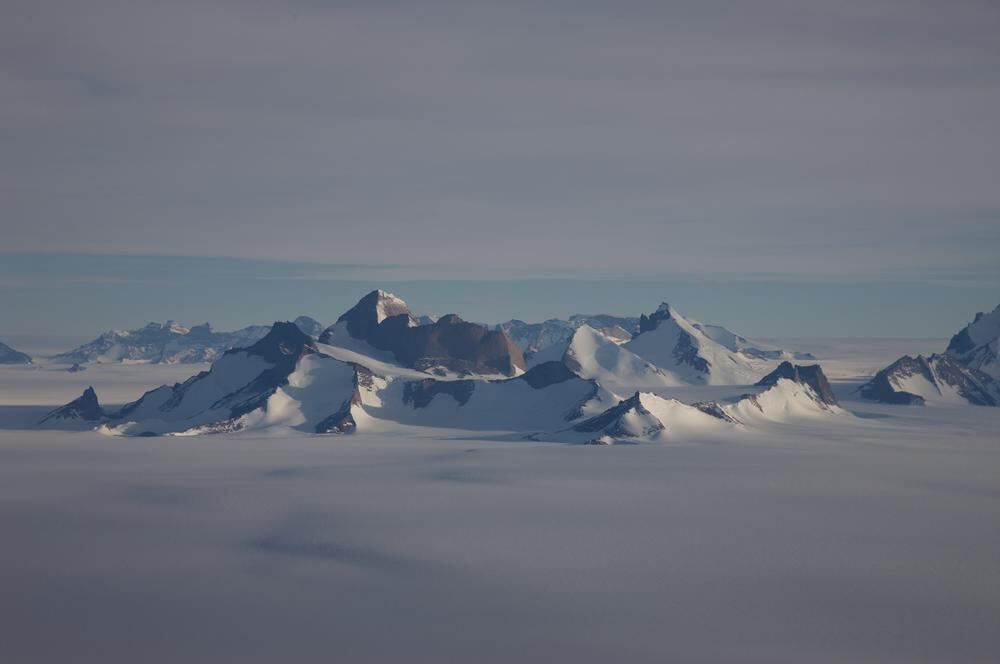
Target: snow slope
934,379
676,346
591,354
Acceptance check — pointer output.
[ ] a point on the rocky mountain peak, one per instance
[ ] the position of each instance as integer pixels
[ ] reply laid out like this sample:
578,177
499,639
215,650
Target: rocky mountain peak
804,374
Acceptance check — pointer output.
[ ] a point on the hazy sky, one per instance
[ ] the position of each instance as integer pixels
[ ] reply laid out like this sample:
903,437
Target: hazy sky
805,143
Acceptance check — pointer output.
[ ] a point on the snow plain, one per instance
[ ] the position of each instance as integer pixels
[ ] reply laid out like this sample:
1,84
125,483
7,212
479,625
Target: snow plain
868,538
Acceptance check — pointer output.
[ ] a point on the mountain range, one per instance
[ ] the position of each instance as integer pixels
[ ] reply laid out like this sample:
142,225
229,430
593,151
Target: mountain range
379,367
170,343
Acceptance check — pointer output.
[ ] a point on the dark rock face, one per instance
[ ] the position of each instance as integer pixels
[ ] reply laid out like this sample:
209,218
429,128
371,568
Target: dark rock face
10,356
962,342
85,408
805,374
370,312
610,416
685,352
880,389
343,420
977,345
420,393
458,346
385,322
941,372
714,409
340,422
975,386
547,373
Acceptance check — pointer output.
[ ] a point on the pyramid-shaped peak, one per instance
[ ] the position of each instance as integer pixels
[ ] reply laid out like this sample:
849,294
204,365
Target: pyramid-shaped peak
371,310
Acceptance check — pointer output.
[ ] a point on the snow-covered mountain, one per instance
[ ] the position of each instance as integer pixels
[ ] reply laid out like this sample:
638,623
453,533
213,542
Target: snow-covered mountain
940,378
792,394
379,368
170,343
10,356
593,354
536,337
381,324
977,345
805,374
740,344
675,345
288,382
281,381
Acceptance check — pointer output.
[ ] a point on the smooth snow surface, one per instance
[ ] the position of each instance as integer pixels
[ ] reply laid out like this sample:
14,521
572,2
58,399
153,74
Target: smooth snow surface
874,545
799,535
591,354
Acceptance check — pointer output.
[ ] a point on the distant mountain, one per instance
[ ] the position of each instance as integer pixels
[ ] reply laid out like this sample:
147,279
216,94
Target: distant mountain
935,379
977,346
383,322
674,344
10,356
170,343
740,344
547,340
799,394
84,408
281,380
377,369
810,374
535,337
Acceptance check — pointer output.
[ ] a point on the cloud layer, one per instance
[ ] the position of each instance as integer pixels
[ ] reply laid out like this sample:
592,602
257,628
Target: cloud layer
673,137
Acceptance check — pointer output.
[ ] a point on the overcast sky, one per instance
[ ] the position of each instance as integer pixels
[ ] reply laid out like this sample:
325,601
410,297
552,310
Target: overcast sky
856,139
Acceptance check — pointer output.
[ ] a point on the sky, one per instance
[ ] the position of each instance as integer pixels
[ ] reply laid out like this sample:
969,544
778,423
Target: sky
785,167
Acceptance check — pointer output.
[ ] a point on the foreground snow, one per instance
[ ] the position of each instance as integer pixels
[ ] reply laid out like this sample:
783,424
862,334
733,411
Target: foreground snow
814,544
867,536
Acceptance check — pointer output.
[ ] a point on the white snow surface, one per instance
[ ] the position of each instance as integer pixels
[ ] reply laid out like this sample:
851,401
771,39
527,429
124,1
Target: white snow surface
725,367
867,539
784,401
591,354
